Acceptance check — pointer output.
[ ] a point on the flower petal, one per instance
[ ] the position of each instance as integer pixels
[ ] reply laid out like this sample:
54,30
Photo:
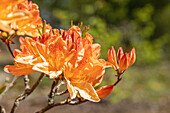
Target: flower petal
16,52
86,91
104,91
96,50
97,81
19,69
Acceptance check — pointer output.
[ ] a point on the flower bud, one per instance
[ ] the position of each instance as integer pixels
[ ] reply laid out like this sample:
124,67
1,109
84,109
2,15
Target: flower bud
124,63
132,56
119,54
111,58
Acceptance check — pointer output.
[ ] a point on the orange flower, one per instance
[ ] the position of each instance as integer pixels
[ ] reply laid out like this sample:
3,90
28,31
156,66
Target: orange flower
6,10
22,16
84,70
25,60
29,26
55,54
70,55
8,15
84,75
47,55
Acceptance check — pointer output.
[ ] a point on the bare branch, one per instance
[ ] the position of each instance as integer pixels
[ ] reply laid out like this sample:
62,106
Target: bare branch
26,94
65,102
52,92
118,77
61,93
9,48
54,89
26,82
9,86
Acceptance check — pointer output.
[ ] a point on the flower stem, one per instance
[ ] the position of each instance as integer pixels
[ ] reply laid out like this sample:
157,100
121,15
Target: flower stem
118,78
9,48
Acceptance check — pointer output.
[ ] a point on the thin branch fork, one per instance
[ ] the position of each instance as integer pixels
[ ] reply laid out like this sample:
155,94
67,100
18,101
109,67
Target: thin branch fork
118,78
52,92
26,93
65,102
61,93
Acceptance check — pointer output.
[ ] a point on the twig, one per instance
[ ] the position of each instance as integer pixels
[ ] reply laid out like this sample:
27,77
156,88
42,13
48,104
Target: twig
118,78
9,86
13,80
25,94
61,93
26,82
67,101
52,92
36,83
57,87
50,106
9,48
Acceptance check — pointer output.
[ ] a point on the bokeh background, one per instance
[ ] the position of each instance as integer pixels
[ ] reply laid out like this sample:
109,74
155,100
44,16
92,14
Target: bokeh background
142,24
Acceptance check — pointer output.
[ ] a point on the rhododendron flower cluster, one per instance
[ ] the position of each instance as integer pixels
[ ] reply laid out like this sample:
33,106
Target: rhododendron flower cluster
70,55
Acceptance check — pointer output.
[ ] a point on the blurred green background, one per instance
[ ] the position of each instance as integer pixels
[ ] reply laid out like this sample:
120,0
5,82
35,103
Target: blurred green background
142,24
